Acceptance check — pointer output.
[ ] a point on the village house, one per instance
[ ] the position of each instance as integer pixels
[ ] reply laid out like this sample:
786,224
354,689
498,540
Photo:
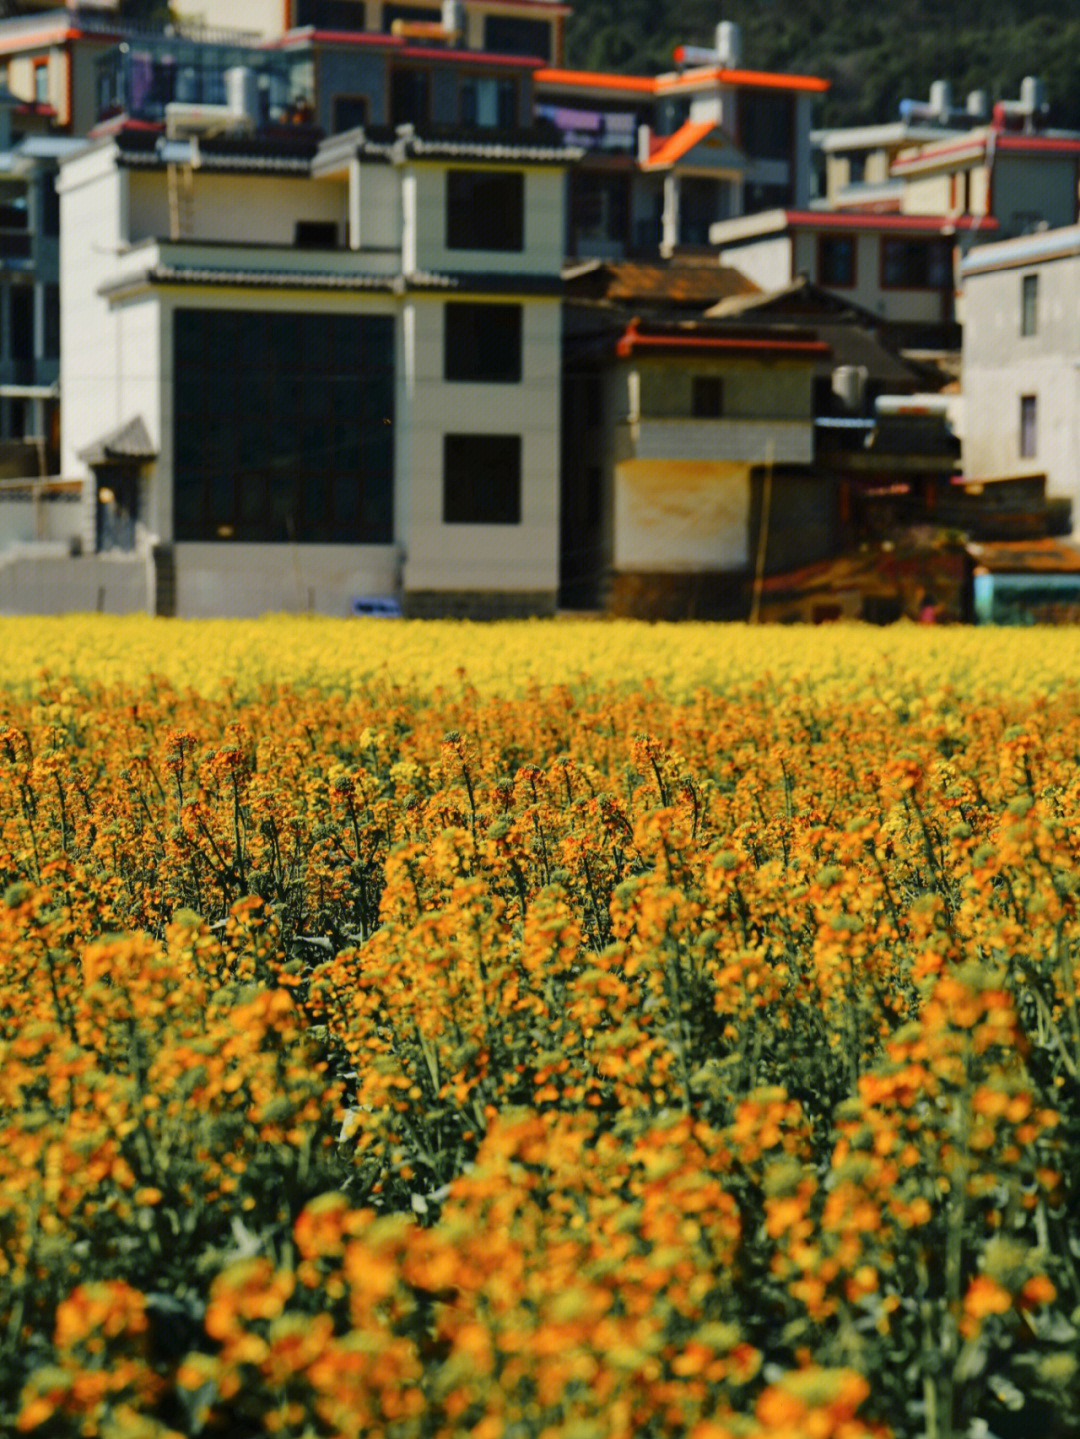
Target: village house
337,382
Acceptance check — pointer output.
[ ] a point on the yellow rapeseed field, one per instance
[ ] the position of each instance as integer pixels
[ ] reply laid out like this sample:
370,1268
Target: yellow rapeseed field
552,1030
509,657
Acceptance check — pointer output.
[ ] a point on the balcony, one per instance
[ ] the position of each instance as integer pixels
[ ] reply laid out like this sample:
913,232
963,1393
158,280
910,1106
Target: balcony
260,266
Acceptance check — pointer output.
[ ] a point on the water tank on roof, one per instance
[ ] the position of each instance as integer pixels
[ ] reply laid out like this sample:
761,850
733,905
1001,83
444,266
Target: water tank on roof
978,104
728,45
941,98
1032,98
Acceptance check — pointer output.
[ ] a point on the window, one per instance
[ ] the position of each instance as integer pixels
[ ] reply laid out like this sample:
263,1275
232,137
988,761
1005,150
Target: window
481,479
22,322
1028,420
425,14
766,124
489,103
1029,304
315,235
283,427
52,321
482,343
350,111
706,397
41,82
329,14
50,203
513,35
909,264
485,210
836,261
599,207
410,97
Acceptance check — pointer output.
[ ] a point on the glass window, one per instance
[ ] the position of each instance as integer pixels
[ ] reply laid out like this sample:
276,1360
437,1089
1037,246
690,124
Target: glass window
315,235
707,397
481,479
836,261
485,210
482,343
1028,421
52,321
915,264
514,35
1029,304
41,82
349,112
283,426
410,96
489,103
766,124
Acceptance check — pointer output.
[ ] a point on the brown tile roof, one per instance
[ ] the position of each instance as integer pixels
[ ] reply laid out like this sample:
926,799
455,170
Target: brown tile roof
683,282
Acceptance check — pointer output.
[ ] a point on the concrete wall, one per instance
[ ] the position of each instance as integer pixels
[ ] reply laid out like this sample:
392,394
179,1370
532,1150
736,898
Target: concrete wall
105,584
263,17
679,516
927,195
250,580
349,74
256,209
1000,365
522,557
51,517
769,262
900,305
752,389
544,225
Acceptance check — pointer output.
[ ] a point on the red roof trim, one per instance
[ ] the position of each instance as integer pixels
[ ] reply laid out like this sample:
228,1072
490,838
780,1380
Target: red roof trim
631,339
864,220
1040,144
400,46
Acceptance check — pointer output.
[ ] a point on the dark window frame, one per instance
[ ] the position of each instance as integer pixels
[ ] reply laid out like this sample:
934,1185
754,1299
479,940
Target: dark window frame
830,243
924,245
493,221
483,342
473,490
315,235
1029,422
707,397
283,426
1029,304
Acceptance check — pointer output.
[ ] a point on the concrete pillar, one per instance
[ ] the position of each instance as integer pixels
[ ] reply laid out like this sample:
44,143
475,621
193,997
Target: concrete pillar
669,231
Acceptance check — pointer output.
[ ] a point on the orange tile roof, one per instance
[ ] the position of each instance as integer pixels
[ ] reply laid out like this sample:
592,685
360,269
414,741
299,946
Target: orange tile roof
595,80
670,148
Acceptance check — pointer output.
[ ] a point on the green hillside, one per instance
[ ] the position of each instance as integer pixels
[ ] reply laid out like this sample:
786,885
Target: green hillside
874,53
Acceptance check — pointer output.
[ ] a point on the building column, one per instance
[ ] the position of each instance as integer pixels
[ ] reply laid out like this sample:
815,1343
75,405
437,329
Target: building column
669,231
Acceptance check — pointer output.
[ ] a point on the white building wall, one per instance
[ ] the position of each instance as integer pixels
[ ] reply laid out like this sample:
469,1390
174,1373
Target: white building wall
544,225
927,195
262,17
768,262
92,203
259,209
1000,366
518,557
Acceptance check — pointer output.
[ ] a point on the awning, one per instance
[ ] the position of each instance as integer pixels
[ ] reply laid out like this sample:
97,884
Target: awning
130,442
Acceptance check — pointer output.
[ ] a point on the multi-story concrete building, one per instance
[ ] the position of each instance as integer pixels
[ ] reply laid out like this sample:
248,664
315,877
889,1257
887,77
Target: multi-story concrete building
339,380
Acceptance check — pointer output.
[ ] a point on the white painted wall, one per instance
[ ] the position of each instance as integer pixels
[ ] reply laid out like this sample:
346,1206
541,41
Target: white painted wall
260,209
250,580
544,225
262,17
482,557
1000,365
769,262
